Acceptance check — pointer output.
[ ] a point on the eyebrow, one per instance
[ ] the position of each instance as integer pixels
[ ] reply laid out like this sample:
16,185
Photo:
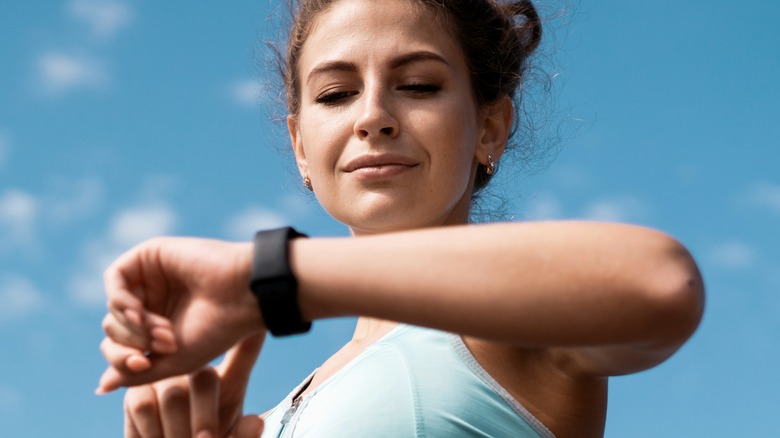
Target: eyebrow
421,55
330,66
408,58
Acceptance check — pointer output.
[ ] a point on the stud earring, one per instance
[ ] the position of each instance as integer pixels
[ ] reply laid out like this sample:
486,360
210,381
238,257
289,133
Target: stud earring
491,166
307,183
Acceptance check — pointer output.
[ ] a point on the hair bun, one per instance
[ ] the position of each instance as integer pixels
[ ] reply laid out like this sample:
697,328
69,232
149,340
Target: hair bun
529,29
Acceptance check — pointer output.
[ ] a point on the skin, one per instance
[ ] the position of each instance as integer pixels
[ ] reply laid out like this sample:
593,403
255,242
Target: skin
560,305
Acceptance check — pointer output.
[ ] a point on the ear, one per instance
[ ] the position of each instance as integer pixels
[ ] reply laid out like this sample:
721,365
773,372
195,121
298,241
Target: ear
494,133
297,145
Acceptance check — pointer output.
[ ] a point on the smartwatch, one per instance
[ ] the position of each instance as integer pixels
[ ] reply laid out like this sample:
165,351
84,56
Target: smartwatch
273,282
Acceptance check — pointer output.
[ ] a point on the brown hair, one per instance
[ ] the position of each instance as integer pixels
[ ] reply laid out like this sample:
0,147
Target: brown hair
497,39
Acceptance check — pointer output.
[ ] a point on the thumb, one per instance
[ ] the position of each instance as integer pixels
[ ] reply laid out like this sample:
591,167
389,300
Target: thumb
111,380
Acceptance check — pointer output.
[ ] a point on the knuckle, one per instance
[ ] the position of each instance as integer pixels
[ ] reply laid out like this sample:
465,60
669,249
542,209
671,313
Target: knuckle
112,355
107,324
174,395
206,377
141,401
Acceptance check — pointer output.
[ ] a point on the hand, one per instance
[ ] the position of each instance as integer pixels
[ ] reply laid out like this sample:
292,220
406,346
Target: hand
174,305
208,403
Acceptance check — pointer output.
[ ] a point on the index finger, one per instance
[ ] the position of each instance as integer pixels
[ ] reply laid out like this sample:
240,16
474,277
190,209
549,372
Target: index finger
204,401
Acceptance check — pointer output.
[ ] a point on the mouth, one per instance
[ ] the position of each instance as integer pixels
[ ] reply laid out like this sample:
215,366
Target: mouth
379,162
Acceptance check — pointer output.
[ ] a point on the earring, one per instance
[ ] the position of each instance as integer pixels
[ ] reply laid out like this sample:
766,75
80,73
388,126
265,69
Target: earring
491,166
307,183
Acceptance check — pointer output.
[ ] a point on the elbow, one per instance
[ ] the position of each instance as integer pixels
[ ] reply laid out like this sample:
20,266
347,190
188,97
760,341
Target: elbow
677,294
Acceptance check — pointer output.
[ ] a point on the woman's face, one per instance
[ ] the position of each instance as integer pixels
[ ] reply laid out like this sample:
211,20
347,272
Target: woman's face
388,130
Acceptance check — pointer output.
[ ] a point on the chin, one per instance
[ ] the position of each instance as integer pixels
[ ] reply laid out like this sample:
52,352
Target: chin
396,219
377,223
390,211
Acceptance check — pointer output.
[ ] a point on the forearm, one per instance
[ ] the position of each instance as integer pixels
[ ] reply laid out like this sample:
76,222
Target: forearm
535,284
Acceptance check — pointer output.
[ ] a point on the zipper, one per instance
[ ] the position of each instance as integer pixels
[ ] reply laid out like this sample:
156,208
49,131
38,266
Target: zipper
290,412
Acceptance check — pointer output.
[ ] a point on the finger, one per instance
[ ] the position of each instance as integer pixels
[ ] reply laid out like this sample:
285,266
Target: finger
204,401
240,360
156,334
130,429
250,426
129,336
126,281
236,368
175,411
163,366
124,358
163,338
142,417
118,280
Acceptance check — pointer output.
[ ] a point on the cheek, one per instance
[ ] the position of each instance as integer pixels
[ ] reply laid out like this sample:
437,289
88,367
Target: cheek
456,142
320,142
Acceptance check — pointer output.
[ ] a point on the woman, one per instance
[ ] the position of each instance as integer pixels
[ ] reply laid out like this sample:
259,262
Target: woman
399,112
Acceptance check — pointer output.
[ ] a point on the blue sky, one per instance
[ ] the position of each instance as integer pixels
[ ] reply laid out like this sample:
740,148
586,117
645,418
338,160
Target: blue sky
125,119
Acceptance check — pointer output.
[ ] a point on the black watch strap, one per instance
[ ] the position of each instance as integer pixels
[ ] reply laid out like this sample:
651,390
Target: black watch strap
273,282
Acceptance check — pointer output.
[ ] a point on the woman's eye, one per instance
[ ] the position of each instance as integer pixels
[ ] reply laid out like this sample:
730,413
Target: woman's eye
420,89
333,97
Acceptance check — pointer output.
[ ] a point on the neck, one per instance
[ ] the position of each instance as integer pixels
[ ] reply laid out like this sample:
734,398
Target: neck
370,329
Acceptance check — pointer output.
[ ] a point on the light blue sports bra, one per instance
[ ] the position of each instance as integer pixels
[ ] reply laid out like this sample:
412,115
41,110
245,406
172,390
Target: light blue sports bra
413,382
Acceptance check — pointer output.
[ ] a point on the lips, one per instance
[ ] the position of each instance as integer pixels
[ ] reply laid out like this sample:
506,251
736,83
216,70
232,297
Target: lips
378,161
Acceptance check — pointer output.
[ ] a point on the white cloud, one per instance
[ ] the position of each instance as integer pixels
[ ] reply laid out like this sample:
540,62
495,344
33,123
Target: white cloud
296,204
126,228
137,224
733,255
19,296
544,207
18,213
766,195
243,226
17,207
86,288
618,209
571,176
104,17
246,92
61,72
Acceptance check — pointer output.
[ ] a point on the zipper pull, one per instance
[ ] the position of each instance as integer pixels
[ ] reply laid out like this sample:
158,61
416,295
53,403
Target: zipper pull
290,412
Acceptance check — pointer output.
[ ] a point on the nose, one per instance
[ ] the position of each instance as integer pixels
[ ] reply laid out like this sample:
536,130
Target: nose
375,118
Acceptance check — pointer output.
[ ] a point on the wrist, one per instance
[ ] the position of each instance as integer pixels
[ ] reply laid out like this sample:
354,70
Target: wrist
252,319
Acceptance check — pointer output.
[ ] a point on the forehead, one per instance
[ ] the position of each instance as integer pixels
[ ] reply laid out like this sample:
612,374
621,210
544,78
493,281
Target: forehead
364,30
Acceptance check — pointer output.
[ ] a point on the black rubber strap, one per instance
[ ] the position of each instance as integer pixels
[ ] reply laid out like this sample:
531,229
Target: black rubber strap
274,284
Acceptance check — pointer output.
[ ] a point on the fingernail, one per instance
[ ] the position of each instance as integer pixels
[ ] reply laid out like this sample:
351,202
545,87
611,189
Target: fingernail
133,316
137,363
162,333
163,347
204,434
101,389
163,340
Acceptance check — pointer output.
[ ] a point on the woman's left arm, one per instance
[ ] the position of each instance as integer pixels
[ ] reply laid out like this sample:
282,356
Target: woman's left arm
622,298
